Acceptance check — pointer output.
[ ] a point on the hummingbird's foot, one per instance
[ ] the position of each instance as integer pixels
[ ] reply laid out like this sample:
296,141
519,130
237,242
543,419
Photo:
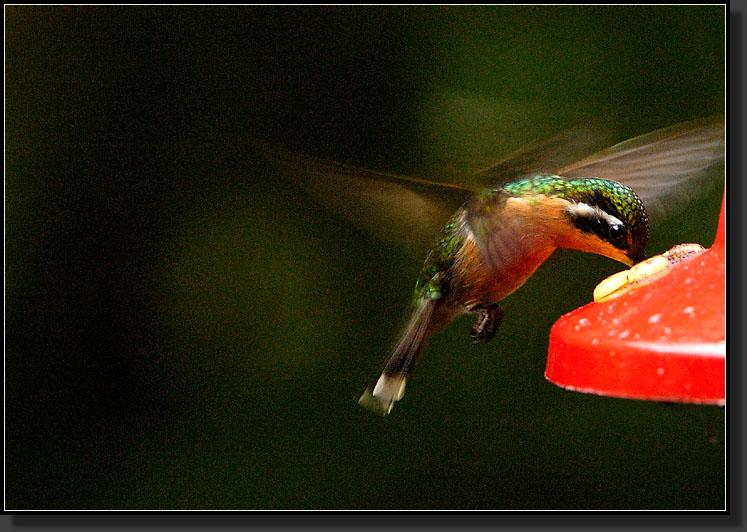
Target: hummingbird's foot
488,320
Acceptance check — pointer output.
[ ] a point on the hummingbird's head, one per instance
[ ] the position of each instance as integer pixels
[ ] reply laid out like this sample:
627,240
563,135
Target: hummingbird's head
607,218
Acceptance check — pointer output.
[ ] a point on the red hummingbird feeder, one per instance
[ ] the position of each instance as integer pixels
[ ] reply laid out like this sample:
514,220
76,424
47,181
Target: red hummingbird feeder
662,341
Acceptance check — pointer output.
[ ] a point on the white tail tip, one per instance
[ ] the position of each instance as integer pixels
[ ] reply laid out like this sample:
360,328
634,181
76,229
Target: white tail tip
388,390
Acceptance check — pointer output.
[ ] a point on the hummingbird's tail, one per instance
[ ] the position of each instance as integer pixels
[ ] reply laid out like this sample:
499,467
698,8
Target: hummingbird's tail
390,387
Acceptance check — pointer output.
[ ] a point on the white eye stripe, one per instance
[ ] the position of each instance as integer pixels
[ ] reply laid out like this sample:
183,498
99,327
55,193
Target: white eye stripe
582,209
587,211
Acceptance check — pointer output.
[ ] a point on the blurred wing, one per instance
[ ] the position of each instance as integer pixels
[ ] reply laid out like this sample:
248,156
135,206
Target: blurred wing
499,242
547,155
666,168
405,210
504,239
486,139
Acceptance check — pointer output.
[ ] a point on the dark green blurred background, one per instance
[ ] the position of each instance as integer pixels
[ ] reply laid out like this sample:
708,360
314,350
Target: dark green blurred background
184,329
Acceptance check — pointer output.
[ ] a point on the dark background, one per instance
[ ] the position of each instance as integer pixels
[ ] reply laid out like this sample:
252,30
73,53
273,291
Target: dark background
186,330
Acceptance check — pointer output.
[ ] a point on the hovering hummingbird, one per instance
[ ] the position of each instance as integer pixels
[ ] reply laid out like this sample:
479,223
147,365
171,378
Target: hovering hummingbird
498,235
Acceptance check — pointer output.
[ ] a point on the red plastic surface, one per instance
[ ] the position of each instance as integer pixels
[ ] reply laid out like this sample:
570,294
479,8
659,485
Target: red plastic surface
664,341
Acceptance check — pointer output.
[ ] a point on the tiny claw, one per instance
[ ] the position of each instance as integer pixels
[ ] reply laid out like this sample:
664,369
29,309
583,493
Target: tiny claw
488,320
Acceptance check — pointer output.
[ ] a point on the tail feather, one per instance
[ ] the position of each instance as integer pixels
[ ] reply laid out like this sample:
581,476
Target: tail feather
390,387
386,392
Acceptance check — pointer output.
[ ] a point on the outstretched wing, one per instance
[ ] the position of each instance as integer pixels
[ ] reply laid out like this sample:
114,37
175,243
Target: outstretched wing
548,155
397,208
667,168
502,240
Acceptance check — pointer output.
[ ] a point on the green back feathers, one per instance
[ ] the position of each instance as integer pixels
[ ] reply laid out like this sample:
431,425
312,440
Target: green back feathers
438,261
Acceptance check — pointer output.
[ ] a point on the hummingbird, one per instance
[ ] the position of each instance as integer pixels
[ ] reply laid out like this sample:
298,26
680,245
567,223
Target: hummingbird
500,233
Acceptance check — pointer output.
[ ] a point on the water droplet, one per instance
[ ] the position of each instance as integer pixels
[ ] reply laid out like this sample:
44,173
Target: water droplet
656,318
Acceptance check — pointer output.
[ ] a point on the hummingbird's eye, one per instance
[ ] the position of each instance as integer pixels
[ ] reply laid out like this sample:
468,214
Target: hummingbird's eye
617,233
